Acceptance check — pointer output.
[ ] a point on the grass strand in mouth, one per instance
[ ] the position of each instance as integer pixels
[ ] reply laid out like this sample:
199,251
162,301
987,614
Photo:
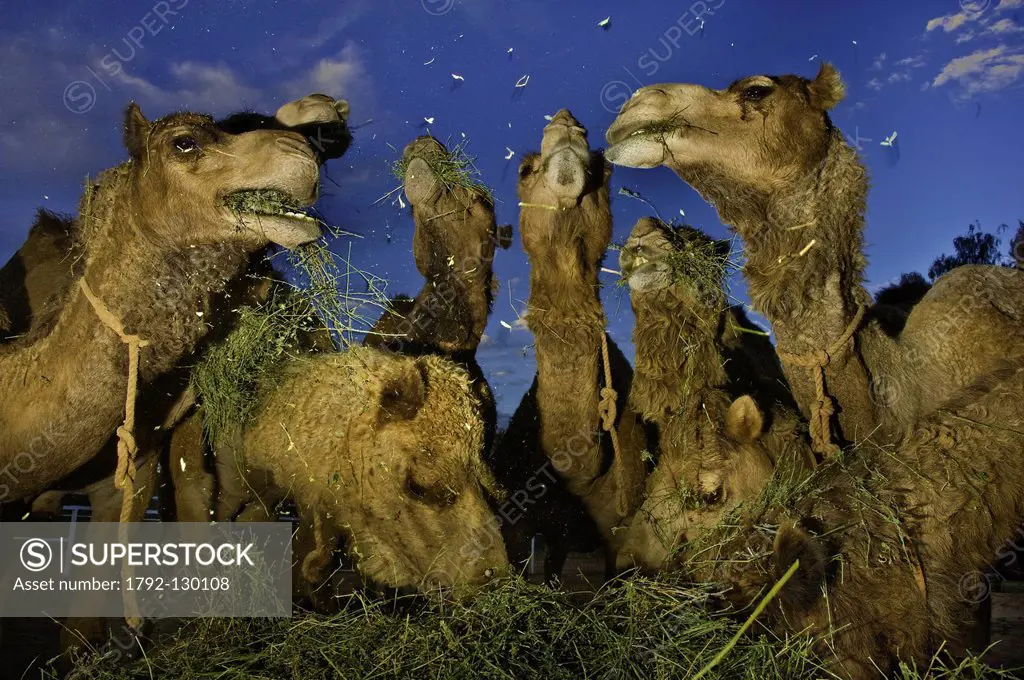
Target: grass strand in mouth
263,202
697,260
454,168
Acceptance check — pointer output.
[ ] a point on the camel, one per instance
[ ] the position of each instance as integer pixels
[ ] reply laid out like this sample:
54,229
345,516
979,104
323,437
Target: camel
890,540
34,283
765,153
387,450
705,376
565,223
453,247
38,280
160,216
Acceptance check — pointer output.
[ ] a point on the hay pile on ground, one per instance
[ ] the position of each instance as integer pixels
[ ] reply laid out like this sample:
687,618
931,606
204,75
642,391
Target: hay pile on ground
639,628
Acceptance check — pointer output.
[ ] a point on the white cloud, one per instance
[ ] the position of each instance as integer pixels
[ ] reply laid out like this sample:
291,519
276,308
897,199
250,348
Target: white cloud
337,75
912,62
948,23
982,71
879,62
875,84
1004,26
897,77
210,88
980,12
342,76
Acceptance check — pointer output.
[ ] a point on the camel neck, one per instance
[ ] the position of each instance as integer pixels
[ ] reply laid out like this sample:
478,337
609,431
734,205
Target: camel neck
678,355
567,321
805,269
451,312
73,380
805,262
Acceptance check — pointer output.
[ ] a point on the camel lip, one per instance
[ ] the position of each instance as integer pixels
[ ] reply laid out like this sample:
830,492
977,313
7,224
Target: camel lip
276,214
622,130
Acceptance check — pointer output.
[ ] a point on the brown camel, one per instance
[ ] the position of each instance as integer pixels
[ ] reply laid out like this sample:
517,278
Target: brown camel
704,376
565,223
387,450
892,542
34,282
161,216
765,152
38,279
453,246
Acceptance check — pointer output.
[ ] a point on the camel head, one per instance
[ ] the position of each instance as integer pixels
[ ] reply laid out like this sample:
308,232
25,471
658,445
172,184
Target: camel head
195,184
751,138
563,193
454,213
686,496
680,259
415,489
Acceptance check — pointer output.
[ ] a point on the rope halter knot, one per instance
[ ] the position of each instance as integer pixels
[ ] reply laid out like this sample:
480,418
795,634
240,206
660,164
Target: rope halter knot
127,447
823,407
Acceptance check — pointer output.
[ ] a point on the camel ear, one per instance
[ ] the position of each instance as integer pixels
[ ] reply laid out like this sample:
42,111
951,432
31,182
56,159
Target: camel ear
504,236
403,394
827,88
744,420
803,589
136,131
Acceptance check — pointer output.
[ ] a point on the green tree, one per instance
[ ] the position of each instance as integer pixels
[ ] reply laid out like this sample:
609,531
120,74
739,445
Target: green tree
1017,245
974,247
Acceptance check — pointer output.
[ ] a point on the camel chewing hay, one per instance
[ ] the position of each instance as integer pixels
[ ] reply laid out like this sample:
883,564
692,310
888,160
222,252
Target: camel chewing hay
452,167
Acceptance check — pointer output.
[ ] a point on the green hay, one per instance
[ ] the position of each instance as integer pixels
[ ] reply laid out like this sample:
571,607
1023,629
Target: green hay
639,628
262,202
332,298
228,377
349,300
695,259
456,168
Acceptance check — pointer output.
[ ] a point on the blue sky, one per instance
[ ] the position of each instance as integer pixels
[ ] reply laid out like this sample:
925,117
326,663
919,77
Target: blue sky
946,76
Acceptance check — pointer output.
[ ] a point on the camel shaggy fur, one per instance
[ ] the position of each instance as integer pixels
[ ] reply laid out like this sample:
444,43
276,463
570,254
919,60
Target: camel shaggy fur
891,541
155,218
766,154
453,246
387,450
565,223
705,376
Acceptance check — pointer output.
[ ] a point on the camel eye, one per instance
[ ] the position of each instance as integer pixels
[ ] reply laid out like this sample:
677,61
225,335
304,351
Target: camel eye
186,144
756,93
524,170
